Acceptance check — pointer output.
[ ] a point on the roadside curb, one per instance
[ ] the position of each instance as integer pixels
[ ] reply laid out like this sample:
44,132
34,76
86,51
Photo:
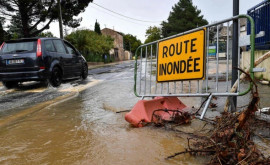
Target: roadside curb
91,66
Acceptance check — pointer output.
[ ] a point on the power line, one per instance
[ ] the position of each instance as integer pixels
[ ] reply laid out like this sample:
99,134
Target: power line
126,16
124,19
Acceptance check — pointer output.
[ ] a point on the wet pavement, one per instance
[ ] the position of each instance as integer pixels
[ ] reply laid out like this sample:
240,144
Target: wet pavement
84,128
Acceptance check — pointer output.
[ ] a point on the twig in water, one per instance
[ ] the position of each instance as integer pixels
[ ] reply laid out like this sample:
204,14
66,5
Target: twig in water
123,111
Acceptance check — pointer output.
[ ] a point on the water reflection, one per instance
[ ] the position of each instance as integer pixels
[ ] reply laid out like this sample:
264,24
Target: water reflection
81,132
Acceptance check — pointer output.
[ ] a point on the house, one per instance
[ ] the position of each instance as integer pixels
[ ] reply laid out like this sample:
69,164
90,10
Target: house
223,32
118,52
226,31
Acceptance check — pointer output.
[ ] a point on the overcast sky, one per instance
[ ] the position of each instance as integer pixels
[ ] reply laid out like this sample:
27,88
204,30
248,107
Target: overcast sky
148,10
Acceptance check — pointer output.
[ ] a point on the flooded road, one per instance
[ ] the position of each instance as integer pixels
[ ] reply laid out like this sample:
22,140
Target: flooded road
86,129
71,133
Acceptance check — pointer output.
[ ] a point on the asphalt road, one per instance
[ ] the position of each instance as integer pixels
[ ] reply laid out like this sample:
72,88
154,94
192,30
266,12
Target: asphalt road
29,94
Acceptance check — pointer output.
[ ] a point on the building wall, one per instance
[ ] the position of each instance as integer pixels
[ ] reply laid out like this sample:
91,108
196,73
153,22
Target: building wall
118,52
128,55
245,63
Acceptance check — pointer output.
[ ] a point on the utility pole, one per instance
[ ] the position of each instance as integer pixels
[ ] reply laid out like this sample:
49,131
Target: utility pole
235,47
130,50
60,18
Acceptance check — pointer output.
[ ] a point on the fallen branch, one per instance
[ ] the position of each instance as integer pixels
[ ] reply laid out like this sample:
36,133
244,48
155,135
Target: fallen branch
189,151
123,111
243,76
231,141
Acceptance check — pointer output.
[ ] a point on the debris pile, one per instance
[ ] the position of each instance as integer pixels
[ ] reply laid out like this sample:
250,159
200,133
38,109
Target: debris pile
176,117
231,139
230,142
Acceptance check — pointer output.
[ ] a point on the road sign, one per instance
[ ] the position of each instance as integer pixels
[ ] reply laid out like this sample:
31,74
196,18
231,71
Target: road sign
212,50
182,57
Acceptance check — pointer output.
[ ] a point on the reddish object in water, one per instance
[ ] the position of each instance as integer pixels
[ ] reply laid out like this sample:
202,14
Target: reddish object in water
143,110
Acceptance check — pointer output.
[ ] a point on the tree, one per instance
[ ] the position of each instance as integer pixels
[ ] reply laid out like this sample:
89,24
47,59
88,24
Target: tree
183,17
35,13
131,42
2,32
152,34
97,28
15,27
90,43
4,35
46,34
213,32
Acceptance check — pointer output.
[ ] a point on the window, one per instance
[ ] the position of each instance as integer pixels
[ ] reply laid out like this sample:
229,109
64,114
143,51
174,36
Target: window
18,47
116,52
70,49
59,46
49,46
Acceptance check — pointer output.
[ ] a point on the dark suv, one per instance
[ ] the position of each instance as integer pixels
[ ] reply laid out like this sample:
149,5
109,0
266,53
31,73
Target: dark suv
40,59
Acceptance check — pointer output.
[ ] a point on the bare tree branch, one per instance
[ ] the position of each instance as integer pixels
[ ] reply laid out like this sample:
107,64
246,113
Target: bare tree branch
42,29
43,17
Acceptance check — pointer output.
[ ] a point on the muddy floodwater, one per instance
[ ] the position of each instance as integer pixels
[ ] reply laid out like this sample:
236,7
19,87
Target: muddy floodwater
86,130
78,132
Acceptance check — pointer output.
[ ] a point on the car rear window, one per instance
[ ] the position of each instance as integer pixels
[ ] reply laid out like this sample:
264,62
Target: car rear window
19,47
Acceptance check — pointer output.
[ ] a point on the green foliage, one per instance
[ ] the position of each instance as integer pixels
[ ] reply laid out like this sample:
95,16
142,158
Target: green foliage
183,17
131,42
97,28
46,34
90,57
15,36
152,34
15,28
92,45
4,35
41,13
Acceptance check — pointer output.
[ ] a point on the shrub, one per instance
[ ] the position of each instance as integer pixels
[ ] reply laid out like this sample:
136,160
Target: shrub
90,44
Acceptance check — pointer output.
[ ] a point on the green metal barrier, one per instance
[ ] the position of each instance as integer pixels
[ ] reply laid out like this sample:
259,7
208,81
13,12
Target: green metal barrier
145,84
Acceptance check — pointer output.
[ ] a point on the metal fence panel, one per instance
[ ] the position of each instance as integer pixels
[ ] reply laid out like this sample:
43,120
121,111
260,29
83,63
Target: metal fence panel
261,14
217,79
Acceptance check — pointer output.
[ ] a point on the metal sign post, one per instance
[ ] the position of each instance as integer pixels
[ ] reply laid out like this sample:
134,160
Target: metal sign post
235,47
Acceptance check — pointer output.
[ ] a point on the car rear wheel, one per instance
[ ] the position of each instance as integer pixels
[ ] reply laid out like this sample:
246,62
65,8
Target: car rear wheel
10,84
56,77
84,71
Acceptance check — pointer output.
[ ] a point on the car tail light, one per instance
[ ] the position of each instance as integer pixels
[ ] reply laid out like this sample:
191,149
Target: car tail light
39,52
2,45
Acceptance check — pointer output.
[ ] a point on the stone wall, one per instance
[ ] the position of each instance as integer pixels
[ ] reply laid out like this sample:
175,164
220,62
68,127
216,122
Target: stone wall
127,55
118,44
